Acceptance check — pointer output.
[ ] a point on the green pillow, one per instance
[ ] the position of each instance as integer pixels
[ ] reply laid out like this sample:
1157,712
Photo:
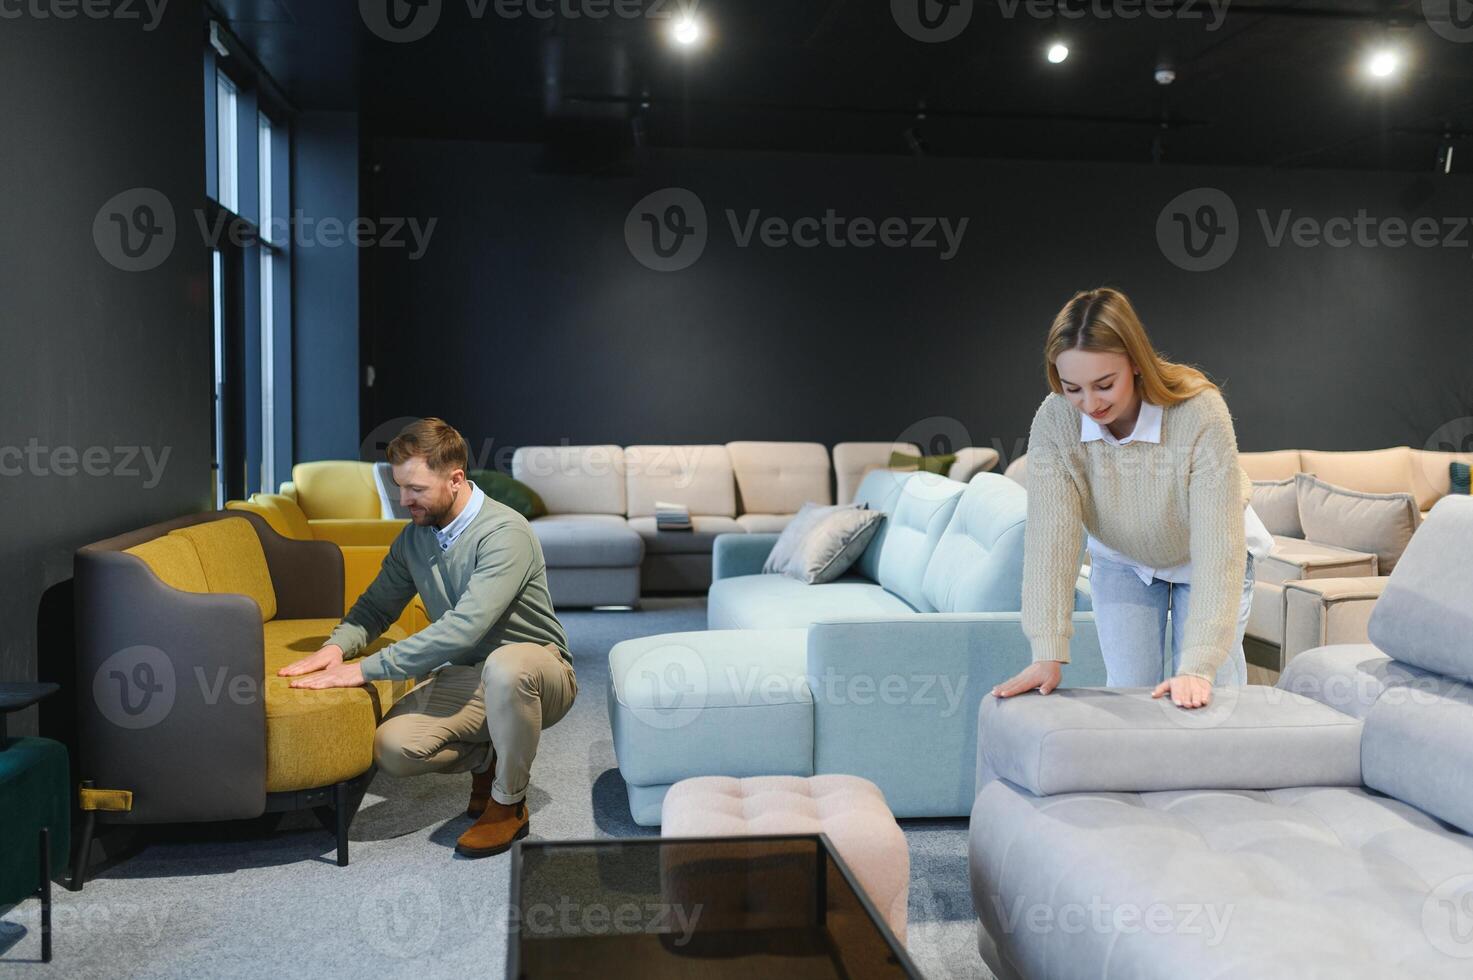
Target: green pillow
1459,474
940,465
513,493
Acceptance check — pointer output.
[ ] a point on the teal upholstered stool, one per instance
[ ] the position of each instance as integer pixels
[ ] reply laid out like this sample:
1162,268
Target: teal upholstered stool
35,809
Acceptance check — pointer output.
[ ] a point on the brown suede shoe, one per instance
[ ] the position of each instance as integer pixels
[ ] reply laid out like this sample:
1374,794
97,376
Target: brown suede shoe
480,791
497,829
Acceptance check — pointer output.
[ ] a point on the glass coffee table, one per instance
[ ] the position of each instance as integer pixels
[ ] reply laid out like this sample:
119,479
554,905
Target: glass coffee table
712,907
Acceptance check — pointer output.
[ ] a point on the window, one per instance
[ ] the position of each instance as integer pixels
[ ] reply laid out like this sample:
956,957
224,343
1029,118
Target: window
247,180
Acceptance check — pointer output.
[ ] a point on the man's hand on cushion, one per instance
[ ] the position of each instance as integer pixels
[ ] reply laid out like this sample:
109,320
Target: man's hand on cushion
1186,690
329,656
343,675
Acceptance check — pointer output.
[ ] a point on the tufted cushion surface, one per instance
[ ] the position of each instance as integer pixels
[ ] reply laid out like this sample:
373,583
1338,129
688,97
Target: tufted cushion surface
1288,883
850,810
978,563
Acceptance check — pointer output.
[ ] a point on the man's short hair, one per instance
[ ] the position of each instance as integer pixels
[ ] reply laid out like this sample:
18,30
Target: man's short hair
444,449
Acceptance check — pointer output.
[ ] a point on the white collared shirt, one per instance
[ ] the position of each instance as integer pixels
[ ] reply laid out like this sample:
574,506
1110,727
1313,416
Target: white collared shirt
1148,429
446,535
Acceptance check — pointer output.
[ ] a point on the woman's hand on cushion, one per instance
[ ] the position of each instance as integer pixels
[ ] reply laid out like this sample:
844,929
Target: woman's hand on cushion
1186,690
1042,676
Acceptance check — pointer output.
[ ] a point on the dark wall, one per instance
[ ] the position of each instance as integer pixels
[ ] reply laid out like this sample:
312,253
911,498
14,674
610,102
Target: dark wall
105,373
325,293
528,320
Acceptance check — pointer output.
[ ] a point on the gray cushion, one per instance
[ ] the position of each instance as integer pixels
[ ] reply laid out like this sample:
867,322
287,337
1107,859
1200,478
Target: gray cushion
1418,747
1425,616
1350,677
1090,739
587,541
1378,523
697,541
808,517
832,545
776,601
1276,503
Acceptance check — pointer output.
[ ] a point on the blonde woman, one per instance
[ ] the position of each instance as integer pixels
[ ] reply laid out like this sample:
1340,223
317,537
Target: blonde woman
1140,454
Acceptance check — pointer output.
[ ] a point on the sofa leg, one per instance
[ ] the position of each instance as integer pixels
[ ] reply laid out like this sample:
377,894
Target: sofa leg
45,894
342,818
83,851
338,816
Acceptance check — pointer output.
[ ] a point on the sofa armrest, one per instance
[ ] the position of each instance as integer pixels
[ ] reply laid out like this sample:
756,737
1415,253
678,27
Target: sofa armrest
740,554
289,490
1293,560
1321,611
1097,740
895,697
349,531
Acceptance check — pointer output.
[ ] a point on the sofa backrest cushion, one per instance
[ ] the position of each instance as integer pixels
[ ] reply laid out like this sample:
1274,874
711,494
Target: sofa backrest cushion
1370,471
281,512
174,560
699,477
853,461
1418,747
233,561
879,490
779,477
336,488
574,479
1017,471
1424,616
1277,464
978,563
1379,524
912,531
971,460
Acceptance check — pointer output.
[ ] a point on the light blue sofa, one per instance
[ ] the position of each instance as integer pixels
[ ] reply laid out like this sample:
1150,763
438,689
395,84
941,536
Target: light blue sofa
878,674
1319,828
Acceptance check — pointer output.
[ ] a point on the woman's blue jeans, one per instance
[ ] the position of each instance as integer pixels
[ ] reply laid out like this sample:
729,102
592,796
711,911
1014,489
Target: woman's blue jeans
1131,618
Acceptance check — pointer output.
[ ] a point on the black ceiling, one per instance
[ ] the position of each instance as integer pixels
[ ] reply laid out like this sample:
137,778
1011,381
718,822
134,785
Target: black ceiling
1274,83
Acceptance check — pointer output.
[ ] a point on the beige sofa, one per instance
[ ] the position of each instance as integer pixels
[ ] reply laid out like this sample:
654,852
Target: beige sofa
599,536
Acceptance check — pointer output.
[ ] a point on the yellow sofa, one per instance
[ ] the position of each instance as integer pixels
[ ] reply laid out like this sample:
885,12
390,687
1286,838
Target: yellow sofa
181,629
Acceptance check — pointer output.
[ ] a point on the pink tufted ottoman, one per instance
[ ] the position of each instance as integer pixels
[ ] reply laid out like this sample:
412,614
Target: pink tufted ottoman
850,810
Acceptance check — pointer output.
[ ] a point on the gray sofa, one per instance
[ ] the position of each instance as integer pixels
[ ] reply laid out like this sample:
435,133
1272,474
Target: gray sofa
1318,828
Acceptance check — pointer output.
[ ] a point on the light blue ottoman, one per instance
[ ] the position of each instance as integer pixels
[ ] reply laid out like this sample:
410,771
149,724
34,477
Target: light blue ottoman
708,703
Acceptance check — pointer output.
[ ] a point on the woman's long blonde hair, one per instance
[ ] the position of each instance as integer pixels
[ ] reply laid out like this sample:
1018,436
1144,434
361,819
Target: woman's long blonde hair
1102,320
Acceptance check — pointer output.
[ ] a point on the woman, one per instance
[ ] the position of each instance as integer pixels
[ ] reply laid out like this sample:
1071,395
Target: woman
1140,452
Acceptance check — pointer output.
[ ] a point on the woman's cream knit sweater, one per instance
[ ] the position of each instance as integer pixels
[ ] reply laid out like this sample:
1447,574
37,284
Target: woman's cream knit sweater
1162,504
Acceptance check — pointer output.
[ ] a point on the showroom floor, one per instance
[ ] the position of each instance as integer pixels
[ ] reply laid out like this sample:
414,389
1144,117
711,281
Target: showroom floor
235,901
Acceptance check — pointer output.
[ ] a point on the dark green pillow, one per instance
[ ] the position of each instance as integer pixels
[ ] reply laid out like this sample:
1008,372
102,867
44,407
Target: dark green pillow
940,465
1459,474
513,493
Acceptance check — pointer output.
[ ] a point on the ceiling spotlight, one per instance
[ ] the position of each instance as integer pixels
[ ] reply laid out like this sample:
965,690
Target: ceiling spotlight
1165,76
687,31
1057,52
1383,63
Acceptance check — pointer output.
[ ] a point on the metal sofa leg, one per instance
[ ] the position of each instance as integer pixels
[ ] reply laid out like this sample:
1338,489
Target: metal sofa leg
83,848
45,894
342,818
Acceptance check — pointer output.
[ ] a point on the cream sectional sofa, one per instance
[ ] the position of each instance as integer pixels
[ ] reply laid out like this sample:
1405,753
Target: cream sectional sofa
599,535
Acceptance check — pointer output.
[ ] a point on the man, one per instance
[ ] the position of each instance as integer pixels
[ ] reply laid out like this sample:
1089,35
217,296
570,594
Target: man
505,672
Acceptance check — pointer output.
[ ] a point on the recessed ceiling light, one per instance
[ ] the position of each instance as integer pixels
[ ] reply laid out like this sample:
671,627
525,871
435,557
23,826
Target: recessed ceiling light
1383,63
1057,52
686,32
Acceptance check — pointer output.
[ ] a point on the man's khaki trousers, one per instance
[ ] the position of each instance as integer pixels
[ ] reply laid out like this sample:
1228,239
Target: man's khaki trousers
464,718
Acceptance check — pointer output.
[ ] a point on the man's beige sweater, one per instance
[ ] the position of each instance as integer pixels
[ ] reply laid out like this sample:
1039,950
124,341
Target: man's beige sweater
1162,504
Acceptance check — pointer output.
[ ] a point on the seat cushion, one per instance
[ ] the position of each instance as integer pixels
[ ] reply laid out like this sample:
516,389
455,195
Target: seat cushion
233,561
588,541
850,810
697,541
711,703
35,792
764,523
777,602
1293,559
317,738
1277,884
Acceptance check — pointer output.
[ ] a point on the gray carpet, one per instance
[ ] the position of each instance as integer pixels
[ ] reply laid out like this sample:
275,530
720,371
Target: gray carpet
250,900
